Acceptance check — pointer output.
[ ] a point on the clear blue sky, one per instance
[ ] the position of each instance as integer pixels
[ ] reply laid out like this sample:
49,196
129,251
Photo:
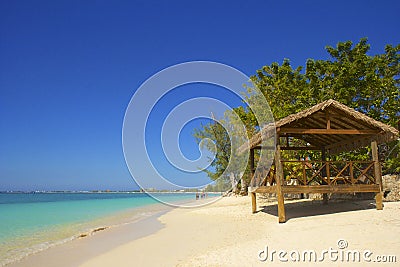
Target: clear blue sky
69,68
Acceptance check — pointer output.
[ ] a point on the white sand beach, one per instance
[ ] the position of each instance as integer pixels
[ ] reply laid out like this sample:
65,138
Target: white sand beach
225,233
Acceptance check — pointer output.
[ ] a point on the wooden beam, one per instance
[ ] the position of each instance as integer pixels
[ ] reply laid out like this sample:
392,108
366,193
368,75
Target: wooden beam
271,189
327,131
301,148
330,188
321,189
314,140
290,148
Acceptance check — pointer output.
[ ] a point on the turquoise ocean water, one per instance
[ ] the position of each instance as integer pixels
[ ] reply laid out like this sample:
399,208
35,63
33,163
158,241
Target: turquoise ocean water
31,222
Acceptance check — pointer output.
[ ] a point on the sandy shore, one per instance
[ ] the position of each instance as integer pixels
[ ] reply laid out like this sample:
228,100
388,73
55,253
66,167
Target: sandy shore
225,233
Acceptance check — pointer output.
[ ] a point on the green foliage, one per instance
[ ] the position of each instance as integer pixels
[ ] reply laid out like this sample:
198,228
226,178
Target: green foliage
283,87
215,139
214,136
369,84
220,185
392,155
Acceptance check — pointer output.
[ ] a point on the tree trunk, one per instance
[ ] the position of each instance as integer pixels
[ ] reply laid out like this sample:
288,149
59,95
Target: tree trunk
244,185
233,183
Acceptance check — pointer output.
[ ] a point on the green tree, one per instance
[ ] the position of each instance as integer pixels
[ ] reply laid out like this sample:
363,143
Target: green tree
223,138
367,83
213,137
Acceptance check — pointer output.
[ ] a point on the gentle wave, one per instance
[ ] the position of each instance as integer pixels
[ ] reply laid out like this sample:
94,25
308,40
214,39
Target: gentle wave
18,246
14,255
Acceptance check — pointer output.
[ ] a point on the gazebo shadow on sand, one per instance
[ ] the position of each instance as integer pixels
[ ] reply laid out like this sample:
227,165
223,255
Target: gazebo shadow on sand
312,208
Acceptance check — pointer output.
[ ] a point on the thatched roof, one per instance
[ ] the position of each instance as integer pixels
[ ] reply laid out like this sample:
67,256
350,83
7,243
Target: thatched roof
348,129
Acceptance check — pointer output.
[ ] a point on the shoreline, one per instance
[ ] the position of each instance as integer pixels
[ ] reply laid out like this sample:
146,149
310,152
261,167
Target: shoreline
112,228
91,245
226,233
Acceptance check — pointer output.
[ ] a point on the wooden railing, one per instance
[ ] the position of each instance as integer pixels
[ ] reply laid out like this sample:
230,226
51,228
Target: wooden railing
311,172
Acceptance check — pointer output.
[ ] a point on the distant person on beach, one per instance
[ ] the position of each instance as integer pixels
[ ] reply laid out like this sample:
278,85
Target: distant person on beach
197,196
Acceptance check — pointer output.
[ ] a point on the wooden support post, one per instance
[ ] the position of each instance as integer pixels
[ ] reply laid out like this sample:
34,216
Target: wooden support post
279,183
253,202
323,157
377,174
351,172
324,172
377,165
379,201
328,172
253,183
328,121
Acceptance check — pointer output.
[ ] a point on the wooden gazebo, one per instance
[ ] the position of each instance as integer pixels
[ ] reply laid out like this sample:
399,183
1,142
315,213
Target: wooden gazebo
329,127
